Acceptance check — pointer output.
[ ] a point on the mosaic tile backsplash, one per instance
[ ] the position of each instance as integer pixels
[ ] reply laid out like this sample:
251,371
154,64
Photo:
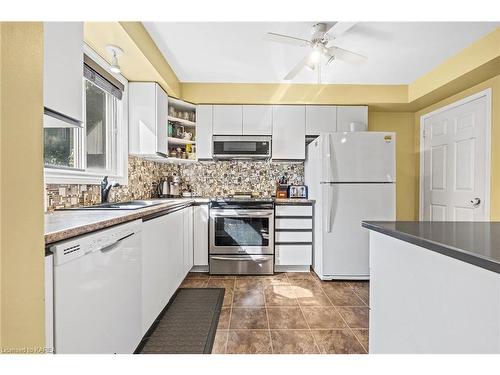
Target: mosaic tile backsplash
205,179
224,178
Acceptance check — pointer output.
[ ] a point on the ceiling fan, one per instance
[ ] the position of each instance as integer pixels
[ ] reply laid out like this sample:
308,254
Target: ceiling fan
321,48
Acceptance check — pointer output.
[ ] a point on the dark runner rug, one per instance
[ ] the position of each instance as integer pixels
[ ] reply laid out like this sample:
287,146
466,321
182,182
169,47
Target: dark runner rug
188,324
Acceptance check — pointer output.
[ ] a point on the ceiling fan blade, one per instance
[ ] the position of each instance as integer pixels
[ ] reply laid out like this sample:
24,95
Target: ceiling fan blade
339,28
280,38
345,55
297,68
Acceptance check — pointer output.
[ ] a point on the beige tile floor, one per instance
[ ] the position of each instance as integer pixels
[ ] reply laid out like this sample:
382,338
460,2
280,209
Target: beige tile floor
294,313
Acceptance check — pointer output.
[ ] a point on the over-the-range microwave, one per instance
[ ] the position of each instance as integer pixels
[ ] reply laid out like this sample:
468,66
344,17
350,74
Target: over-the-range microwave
241,147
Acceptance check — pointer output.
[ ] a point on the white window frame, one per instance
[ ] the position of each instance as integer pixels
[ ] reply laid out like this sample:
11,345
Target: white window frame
72,176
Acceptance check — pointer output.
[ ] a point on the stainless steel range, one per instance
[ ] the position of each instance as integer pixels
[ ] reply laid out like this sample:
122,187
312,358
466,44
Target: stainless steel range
241,236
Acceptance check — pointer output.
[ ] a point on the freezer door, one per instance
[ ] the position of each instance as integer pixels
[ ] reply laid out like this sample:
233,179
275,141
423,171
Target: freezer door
345,245
359,157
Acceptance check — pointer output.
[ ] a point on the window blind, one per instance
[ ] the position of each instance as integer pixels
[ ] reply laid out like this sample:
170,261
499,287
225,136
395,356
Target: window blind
101,78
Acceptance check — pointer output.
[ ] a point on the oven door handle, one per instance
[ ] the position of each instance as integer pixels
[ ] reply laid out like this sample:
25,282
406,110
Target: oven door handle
241,258
216,214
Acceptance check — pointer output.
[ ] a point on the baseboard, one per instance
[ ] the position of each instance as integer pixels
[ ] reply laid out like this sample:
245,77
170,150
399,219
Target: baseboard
305,268
199,269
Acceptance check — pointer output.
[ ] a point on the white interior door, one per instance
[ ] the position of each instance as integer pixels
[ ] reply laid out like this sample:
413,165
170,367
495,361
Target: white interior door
456,161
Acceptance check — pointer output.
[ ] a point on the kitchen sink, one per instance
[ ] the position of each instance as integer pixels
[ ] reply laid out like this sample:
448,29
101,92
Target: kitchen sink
130,205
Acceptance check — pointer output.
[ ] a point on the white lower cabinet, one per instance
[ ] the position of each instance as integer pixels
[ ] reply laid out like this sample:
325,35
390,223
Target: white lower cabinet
293,255
200,239
155,294
293,236
188,240
163,266
49,303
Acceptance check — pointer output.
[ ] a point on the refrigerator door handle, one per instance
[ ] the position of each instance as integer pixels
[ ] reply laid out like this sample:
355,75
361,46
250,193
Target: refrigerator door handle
327,174
329,207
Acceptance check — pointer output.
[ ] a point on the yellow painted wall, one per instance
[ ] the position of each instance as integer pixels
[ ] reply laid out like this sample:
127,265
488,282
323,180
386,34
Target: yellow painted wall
21,187
483,51
402,123
141,59
494,84
275,93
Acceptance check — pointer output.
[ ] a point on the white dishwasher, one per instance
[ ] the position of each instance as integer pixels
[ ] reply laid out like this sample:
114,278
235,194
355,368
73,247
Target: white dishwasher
97,291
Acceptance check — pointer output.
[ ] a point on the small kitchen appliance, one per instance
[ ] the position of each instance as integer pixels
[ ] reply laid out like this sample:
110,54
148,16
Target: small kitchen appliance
163,188
282,187
241,147
297,191
175,186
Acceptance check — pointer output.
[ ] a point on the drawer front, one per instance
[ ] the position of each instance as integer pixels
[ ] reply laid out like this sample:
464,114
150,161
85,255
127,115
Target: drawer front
281,237
301,210
293,255
287,223
241,265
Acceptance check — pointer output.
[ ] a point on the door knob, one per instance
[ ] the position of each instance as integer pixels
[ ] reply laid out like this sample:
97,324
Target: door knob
476,202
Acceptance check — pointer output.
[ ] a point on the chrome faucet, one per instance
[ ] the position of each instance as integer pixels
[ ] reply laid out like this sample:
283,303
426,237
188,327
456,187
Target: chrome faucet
106,188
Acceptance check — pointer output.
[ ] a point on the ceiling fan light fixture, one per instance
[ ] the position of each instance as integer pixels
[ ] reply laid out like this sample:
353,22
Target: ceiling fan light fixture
315,56
320,49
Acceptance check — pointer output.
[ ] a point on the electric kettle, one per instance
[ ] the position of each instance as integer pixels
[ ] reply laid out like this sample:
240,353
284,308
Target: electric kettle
163,188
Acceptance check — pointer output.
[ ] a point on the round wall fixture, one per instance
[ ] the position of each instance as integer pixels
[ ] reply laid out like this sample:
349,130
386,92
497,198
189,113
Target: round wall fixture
115,52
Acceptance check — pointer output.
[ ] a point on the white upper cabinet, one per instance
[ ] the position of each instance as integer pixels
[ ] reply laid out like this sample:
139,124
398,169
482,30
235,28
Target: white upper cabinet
161,121
227,120
148,124
352,114
204,121
289,132
63,68
257,119
320,119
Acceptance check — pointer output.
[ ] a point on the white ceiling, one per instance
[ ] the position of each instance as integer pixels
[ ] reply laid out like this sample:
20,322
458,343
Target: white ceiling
398,52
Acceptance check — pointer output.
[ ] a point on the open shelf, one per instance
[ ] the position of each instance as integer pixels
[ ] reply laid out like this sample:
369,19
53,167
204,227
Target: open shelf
182,121
181,104
178,141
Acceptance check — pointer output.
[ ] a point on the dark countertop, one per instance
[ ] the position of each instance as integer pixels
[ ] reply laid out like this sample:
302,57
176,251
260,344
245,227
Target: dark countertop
285,201
476,243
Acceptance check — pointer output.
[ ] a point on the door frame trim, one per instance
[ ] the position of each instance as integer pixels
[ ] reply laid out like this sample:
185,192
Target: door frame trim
487,93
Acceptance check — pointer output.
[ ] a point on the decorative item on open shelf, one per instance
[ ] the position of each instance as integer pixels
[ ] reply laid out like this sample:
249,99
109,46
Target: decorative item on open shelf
181,131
